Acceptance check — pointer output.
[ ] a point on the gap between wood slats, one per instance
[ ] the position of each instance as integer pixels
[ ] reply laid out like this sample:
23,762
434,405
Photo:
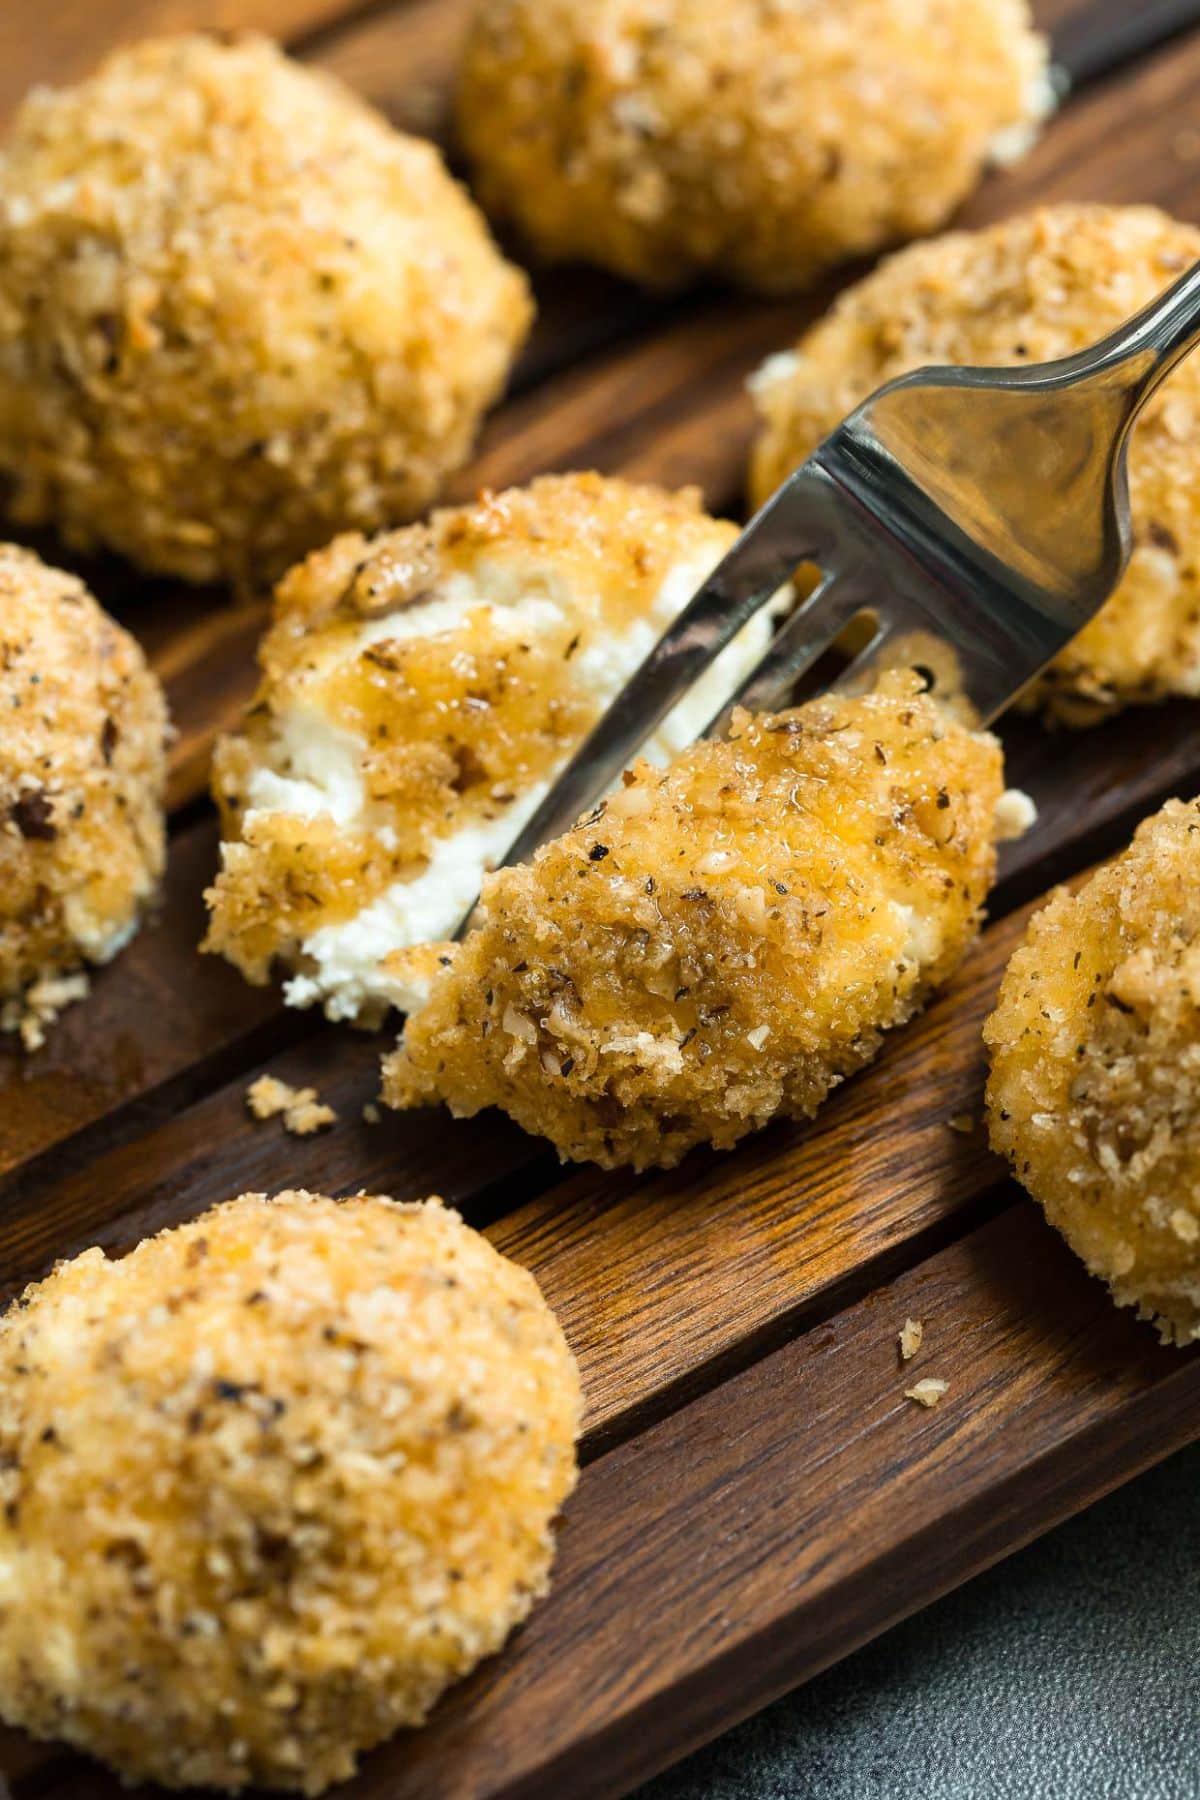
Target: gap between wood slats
775,1524
207,648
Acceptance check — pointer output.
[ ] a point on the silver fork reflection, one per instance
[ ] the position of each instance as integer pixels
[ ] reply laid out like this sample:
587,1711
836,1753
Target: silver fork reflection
972,518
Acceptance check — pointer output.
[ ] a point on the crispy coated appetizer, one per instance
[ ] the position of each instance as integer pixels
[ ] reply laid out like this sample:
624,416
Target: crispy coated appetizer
671,139
419,692
238,312
270,1484
722,942
82,771
1094,1094
1029,290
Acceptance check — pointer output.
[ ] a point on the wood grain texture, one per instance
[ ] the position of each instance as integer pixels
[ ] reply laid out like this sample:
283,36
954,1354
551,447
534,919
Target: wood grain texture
776,1523
758,1496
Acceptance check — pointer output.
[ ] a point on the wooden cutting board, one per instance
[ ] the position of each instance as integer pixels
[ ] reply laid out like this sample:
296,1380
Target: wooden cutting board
758,1496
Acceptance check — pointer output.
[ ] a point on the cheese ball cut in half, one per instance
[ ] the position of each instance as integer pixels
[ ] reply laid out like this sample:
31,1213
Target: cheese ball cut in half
271,1483
238,312
82,772
419,693
1094,1093
755,141
722,942
1030,290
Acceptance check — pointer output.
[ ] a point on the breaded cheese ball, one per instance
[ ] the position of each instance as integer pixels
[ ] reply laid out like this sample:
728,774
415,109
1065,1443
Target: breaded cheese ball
419,693
238,312
1094,1093
752,140
270,1484
1029,290
722,942
82,772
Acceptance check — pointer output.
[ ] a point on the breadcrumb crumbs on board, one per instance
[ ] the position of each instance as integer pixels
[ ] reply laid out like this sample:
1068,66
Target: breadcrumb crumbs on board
912,1335
927,1392
303,1109
963,1123
29,1014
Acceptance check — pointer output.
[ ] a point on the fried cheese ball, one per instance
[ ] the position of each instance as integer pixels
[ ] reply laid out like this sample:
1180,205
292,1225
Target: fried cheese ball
760,142
82,773
1029,290
238,312
419,693
722,942
1094,1093
270,1484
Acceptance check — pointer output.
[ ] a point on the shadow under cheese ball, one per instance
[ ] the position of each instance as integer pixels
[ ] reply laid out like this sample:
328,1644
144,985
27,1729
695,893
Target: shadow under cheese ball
723,941
238,311
753,141
419,691
270,1483
1094,1094
1029,290
82,774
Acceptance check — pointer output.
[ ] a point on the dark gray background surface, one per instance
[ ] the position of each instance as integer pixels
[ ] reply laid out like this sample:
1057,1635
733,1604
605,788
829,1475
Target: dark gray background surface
1069,1672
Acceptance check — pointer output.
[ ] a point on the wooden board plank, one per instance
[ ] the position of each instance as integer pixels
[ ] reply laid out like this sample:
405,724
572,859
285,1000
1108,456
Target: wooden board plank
1087,809
770,1527
59,43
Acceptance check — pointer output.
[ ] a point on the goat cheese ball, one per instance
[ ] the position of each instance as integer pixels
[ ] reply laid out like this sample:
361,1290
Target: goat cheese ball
419,693
1031,289
271,1483
1094,1094
672,139
722,942
238,312
82,774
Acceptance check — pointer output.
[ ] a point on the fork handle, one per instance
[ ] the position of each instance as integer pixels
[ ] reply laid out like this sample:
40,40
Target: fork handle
1145,350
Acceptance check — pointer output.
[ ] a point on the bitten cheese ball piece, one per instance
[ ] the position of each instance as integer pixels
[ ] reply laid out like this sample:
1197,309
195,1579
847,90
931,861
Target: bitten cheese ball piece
419,692
723,942
270,1484
1026,291
82,770
1094,1093
669,139
238,312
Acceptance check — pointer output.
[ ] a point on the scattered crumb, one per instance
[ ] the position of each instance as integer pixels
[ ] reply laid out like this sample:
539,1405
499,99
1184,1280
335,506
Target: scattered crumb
31,1012
911,1337
303,1109
962,1122
371,1113
927,1392
1014,815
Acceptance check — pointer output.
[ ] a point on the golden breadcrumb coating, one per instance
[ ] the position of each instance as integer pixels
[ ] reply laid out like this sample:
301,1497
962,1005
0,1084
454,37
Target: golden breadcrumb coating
1029,290
272,1482
1094,1094
238,312
419,691
720,943
666,139
82,772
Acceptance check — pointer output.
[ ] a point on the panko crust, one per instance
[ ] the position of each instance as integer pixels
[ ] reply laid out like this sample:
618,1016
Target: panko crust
1094,1094
270,1483
455,726
238,311
668,139
1028,290
82,774
723,942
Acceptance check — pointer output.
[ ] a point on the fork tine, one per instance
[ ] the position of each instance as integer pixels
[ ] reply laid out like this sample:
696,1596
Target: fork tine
807,632
794,527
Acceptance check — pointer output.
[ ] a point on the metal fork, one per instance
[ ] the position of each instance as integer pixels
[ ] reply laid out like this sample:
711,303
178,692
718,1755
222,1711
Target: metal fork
980,513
